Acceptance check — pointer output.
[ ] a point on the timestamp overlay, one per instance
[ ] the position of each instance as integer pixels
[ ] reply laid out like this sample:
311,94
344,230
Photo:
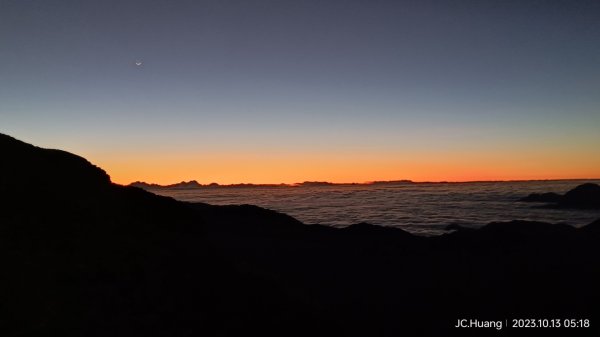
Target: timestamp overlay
524,323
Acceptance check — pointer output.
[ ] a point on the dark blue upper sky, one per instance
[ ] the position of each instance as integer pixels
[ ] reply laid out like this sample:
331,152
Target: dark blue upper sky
389,77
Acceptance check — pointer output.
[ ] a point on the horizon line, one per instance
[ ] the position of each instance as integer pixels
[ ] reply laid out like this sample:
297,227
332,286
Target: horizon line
372,182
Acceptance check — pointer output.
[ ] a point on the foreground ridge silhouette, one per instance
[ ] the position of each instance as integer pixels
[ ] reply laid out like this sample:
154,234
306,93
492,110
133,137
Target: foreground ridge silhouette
82,256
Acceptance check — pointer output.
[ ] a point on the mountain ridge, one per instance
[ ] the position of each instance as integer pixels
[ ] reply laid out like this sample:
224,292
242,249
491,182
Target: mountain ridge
83,256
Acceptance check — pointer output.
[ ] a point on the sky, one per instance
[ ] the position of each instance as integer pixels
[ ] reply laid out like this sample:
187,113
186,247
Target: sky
288,91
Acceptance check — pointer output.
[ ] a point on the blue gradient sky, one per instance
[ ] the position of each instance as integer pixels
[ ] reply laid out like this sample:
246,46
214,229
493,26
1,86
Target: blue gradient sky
285,91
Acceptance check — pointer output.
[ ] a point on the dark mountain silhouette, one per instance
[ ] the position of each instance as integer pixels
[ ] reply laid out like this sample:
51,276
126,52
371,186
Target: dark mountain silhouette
81,256
195,184
585,196
183,184
145,185
315,183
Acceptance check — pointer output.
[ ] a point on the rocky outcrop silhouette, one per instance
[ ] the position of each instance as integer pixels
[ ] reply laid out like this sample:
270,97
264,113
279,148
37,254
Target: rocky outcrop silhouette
582,196
585,196
82,256
25,165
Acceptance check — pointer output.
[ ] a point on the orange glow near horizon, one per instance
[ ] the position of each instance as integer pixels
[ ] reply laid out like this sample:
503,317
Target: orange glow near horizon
172,168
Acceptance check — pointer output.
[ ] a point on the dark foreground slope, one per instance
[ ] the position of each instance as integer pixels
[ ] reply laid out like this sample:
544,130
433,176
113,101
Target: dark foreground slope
83,257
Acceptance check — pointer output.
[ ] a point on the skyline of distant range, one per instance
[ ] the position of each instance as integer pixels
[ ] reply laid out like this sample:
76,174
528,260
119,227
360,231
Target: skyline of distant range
196,184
